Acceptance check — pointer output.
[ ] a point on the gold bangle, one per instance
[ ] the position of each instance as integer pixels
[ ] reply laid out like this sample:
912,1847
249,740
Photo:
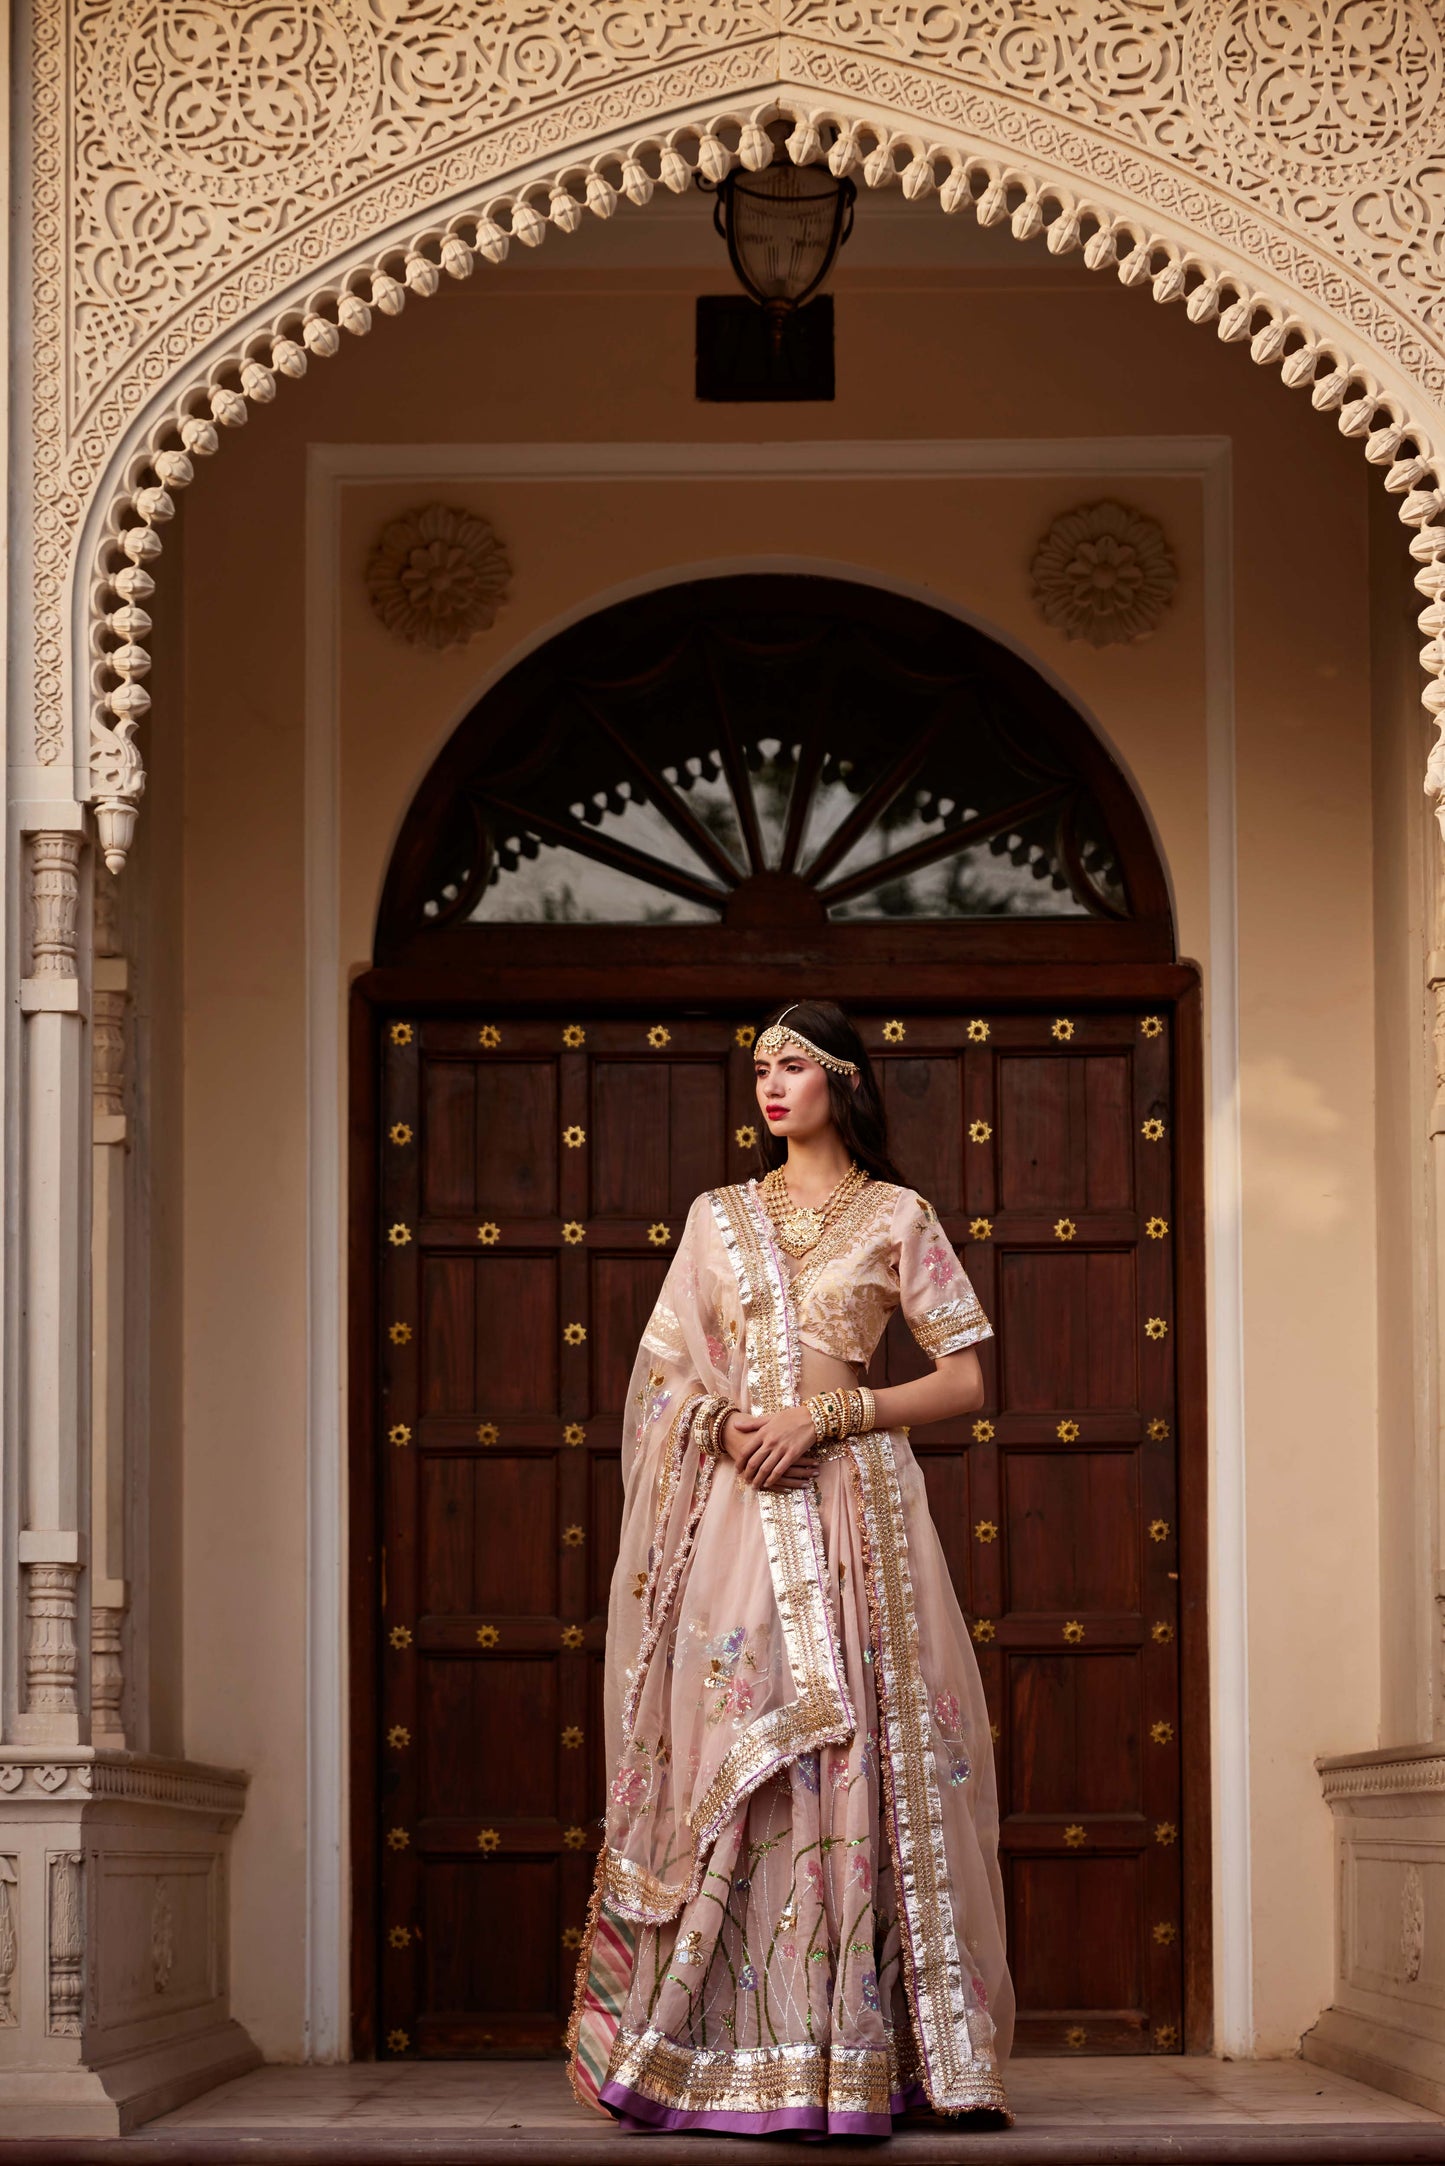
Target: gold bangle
868,1420
713,1423
818,1418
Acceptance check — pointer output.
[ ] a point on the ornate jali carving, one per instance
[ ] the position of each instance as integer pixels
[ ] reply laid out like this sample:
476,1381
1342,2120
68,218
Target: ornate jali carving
194,159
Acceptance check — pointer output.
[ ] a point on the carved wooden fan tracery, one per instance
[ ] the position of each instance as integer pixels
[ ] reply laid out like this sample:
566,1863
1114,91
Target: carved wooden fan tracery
764,750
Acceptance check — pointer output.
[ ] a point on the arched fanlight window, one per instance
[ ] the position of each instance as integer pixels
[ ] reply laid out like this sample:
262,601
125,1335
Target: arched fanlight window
764,750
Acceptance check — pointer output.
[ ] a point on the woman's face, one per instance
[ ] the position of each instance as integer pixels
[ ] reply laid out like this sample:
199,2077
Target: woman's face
793,1095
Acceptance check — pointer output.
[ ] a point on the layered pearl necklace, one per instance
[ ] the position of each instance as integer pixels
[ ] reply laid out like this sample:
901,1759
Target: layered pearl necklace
801,1226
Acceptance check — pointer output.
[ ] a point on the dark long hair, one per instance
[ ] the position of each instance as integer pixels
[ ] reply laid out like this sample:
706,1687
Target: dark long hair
857,1109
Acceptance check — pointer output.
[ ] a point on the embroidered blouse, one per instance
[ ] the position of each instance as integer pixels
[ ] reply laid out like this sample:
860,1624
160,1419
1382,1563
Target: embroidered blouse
884,1250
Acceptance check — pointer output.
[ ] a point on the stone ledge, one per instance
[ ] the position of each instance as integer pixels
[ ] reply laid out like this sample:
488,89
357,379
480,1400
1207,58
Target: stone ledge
1384,2025
109,2102
86,1774
1391,1771
1384,2055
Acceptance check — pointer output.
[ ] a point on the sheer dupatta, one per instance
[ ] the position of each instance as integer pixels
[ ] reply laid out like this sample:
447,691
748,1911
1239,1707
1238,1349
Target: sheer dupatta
683,1761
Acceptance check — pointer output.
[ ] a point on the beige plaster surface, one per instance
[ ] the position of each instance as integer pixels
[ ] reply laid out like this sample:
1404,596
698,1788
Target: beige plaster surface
1028,351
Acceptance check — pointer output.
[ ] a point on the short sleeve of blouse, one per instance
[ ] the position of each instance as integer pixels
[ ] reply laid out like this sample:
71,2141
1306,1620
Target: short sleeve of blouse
939,1305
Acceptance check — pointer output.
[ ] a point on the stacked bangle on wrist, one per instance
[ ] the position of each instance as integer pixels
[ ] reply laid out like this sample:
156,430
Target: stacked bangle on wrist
715,1414
837,1415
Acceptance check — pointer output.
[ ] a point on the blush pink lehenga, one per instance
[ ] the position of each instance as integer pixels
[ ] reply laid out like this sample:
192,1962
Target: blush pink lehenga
798,1918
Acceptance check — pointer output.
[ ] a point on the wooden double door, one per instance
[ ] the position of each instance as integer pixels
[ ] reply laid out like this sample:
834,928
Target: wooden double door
533,1167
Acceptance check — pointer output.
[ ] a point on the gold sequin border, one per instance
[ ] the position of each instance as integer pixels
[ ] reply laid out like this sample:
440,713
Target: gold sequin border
958,2070
763,1296
951,1327
754,2079
822,1713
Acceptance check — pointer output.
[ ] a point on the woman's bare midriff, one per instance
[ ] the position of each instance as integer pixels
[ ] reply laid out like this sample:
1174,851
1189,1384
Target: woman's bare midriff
825,1372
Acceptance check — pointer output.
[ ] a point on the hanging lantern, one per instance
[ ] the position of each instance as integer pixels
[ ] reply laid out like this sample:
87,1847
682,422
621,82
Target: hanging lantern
783,226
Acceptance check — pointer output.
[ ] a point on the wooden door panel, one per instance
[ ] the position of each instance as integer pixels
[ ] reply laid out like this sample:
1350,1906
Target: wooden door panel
515,1537
510,1704
449,1112
924,1103
490,1944
536,1171
518,1336
1067,1327
516,1140
1074,1733
447,1536
624,1291
448,1356
1064,1133
1074,1957
631,1122
946,1476
697,1110
1072,1529
605,1520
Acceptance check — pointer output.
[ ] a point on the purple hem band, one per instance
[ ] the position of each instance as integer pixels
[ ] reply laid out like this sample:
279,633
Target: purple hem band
647,2116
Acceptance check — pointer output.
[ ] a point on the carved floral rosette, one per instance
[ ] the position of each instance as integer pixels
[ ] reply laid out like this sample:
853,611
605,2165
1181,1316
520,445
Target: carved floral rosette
1103,573
438,576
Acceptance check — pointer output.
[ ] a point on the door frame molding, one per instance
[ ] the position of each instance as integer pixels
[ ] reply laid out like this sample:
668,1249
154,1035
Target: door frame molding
330,1968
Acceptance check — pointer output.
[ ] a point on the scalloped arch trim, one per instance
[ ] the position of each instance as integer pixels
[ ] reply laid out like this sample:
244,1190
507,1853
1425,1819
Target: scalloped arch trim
1349,377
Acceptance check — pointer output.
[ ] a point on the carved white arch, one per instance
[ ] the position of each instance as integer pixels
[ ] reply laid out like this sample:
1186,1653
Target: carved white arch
1296,307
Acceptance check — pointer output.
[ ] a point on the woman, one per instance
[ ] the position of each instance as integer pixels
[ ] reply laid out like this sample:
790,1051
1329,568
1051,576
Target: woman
798,1919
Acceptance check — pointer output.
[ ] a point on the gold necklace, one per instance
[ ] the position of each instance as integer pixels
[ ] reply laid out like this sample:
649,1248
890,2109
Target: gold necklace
801,1226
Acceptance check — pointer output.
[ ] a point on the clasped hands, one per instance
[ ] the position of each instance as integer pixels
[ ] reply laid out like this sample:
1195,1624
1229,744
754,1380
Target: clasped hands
772,1451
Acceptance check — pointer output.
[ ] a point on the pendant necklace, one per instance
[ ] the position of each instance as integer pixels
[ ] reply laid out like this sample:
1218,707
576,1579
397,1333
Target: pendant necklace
801,1226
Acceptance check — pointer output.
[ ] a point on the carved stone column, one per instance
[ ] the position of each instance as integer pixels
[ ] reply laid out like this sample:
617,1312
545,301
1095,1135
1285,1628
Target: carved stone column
108,1458
114,1900
52,1688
